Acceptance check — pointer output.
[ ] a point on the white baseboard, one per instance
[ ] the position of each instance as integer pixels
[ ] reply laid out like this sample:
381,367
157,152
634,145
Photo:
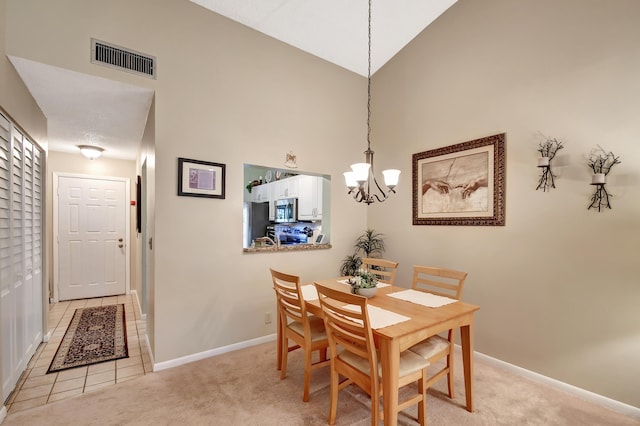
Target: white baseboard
3,413
213,352
620,407
134,293
146,341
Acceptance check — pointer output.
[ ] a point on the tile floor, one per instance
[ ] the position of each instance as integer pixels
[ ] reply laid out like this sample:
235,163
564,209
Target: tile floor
36,387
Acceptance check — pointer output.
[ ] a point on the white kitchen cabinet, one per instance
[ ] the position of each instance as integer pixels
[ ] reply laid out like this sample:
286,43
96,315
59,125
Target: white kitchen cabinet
309,197
260,193
272,206
286,188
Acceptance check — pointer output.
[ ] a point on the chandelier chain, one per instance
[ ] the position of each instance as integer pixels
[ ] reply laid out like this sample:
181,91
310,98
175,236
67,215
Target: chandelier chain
369,82
364,188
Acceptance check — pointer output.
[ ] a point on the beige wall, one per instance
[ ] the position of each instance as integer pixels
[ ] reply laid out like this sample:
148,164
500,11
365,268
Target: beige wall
59,162
16,102
15,99
562,304
558,290
227,94
146,169
250,99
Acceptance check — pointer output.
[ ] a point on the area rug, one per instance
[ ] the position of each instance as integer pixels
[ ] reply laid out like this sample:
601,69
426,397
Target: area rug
95,334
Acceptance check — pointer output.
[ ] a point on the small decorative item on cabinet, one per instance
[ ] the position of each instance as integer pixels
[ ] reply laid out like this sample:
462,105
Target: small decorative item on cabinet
547,150
251,184
601,163
291,160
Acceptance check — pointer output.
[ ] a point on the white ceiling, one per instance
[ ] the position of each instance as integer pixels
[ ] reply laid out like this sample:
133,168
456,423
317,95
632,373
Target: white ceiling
336,30
83,109
86,110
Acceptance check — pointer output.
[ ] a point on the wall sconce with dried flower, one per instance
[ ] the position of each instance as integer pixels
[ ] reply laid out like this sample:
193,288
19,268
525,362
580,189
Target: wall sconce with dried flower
547,150
601,163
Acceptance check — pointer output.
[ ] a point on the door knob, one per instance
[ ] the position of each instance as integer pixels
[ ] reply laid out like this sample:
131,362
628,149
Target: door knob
120,239
120,245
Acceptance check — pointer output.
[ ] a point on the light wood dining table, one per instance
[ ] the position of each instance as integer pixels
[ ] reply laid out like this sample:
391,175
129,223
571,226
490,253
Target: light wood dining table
392,340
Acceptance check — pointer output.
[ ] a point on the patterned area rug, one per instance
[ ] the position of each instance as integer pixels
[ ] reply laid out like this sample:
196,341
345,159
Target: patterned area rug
94,335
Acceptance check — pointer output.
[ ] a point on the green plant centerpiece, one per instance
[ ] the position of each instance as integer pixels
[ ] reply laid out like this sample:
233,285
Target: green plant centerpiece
370,243
364,283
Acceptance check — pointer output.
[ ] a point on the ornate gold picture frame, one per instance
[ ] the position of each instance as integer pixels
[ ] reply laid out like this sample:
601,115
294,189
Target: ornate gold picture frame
462,184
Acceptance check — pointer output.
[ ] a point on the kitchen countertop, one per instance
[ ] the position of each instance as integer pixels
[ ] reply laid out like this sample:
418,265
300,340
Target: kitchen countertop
287,247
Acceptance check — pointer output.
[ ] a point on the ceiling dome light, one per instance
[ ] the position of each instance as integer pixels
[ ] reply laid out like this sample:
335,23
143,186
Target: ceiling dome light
90,151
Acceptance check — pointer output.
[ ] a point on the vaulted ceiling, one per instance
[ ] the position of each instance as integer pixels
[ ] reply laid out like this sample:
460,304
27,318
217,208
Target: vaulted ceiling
84,109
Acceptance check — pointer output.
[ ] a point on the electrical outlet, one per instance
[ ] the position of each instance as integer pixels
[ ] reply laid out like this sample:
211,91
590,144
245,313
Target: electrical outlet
267,317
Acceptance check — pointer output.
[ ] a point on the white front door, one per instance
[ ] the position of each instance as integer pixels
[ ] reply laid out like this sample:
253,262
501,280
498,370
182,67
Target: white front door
92,236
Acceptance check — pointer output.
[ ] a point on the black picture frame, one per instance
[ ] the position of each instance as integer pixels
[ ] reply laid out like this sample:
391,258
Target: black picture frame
203,179
138,205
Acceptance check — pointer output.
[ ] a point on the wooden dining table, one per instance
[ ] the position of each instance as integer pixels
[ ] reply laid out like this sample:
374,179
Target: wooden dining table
424,322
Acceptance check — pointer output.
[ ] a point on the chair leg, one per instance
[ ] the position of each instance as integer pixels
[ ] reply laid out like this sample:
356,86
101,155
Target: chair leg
333,405
422,405
323,354
307,375
285,354
450,373
375,410
450,365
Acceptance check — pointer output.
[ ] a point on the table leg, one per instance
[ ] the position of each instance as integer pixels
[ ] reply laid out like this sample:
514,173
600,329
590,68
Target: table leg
279,347
466,337
390,354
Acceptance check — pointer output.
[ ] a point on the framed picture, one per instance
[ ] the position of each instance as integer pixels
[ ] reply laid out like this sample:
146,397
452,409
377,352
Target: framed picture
138,206
462,184
200,178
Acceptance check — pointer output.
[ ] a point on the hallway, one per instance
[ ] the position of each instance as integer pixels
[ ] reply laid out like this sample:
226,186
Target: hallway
36,387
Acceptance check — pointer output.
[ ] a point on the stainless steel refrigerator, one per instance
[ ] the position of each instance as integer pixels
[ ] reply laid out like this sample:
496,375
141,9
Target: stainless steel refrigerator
256,220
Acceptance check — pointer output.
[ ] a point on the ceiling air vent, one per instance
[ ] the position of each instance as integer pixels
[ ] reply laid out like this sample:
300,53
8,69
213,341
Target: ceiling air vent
117,57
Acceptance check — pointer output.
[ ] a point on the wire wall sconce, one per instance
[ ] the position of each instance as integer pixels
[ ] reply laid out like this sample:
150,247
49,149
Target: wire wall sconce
601,163
547,150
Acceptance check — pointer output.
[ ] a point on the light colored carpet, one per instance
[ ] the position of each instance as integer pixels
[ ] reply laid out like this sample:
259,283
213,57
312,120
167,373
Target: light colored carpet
244,387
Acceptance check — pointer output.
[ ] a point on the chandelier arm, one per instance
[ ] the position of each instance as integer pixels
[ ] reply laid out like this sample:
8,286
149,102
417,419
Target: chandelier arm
378,185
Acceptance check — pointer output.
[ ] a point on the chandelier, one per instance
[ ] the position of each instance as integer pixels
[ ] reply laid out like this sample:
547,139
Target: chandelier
361,180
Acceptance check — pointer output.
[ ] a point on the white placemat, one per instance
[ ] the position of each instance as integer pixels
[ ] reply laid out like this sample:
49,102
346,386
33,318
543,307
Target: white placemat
422,298
309,292
379,317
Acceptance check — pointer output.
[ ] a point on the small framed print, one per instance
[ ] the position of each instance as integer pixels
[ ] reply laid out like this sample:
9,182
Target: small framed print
200,178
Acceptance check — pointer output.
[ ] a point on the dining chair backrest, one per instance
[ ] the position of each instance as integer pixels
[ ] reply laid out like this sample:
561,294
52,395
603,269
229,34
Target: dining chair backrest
346,319
439,281
384,269
349,329
291,305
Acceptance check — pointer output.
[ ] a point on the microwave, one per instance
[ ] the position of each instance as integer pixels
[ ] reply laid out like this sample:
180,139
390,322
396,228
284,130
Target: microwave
286,210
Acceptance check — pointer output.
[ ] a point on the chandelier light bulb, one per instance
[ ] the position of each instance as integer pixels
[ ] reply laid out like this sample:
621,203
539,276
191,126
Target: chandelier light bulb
350,179
361,171
391,177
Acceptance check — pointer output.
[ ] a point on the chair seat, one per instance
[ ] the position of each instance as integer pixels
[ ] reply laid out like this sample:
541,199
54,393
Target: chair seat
409,363
316,325
430,347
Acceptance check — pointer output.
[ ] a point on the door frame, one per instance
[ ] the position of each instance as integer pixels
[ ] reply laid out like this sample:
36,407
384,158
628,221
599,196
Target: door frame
54,195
